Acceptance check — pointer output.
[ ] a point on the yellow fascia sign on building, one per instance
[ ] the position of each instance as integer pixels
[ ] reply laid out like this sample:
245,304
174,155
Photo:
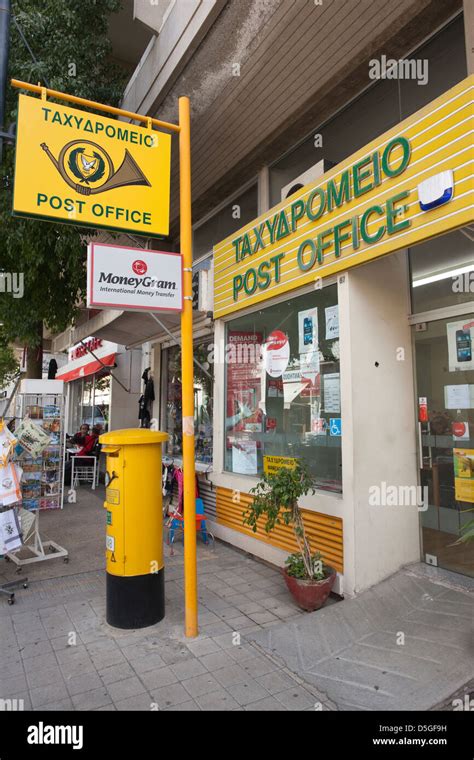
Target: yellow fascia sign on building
413,182
75,166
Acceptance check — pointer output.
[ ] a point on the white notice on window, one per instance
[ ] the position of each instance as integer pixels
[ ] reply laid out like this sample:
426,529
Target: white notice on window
332,322
459,396
244,457
332,392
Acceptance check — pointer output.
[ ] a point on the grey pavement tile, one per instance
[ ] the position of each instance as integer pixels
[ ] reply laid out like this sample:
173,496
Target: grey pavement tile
32,636
248,606
129,687
107,708
259,666
75,665
173,655
40,662
202,646
149,662
59,643
228,612
104,659
12,684
296,698
11,667
23,700
241,623
166,696
91,700
116,673
44,676
263,617
216,660
33,650
257,594
84,682
238,599
247,691
102,644
138,703
275,682
225,640
200,684
241,653
187,669
231,673
215,629
60,705
43,695
155,679
190,706
206,617
267,704
70,653
217,700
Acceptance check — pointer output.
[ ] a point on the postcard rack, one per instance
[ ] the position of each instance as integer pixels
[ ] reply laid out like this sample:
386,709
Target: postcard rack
42,482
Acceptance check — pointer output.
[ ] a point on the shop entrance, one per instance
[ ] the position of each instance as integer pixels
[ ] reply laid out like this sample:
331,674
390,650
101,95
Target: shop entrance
444,357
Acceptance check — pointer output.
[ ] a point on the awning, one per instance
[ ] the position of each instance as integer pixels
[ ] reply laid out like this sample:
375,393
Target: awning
75,369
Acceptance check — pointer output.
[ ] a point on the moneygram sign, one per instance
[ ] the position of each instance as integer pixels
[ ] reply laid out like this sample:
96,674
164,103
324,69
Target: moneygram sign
74,166
133,279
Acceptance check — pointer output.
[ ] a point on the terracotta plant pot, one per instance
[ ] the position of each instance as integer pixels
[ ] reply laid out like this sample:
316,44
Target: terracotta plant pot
310,595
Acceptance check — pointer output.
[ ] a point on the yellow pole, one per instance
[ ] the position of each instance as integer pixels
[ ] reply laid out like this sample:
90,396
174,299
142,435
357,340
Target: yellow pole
46,92
187,372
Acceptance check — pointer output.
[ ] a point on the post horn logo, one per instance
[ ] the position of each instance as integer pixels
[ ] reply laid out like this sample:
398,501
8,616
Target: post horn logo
88,168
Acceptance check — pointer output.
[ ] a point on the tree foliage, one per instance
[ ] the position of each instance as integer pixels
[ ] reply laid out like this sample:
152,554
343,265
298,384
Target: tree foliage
69,41
9,367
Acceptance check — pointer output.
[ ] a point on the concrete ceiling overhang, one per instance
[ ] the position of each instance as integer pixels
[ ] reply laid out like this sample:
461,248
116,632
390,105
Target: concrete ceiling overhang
128,328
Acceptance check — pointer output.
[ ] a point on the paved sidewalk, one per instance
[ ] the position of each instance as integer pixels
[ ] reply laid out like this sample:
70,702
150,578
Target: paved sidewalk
58,653
405,644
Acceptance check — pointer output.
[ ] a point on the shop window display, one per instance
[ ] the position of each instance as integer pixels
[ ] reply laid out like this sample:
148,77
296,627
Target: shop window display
283,389
203,383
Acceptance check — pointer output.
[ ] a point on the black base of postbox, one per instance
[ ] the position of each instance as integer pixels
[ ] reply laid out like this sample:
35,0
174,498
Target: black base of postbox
135,601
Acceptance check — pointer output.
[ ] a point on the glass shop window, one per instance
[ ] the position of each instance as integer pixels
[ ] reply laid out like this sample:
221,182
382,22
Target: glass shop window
282,390
442,271
203,400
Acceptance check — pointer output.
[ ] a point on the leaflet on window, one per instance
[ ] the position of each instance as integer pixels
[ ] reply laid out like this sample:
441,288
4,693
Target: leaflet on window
332,392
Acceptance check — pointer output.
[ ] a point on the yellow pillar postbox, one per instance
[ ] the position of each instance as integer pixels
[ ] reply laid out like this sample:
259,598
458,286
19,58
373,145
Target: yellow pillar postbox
134,538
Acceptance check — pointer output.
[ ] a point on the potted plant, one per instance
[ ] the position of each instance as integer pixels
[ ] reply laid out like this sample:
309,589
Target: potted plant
276,496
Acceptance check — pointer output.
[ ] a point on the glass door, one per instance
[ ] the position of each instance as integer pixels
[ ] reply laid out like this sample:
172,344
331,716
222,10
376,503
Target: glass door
444,353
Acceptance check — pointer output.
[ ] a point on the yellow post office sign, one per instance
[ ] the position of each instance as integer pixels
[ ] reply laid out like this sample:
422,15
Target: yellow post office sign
75,166
411,183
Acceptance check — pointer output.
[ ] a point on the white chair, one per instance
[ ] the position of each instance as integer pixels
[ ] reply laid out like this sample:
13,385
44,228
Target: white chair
87,473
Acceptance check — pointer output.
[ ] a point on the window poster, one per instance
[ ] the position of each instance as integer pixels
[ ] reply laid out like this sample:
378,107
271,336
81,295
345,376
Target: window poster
276,353
332,392
307,330
332,322
464,474
244,457
460,349
243,413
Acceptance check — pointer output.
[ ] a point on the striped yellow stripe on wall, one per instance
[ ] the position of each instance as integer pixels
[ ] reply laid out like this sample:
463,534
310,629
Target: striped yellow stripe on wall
324,532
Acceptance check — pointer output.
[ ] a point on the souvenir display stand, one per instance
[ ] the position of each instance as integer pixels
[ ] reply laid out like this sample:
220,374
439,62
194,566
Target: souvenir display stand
41,433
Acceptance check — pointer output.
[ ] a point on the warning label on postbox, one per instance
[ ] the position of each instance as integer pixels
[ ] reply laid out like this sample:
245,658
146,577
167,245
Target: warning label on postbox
112,495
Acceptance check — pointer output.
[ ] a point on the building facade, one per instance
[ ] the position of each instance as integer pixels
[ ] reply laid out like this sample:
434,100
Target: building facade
334,269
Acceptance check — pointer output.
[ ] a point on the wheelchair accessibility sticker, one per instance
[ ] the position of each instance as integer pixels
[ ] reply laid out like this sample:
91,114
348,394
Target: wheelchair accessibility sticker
335,426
